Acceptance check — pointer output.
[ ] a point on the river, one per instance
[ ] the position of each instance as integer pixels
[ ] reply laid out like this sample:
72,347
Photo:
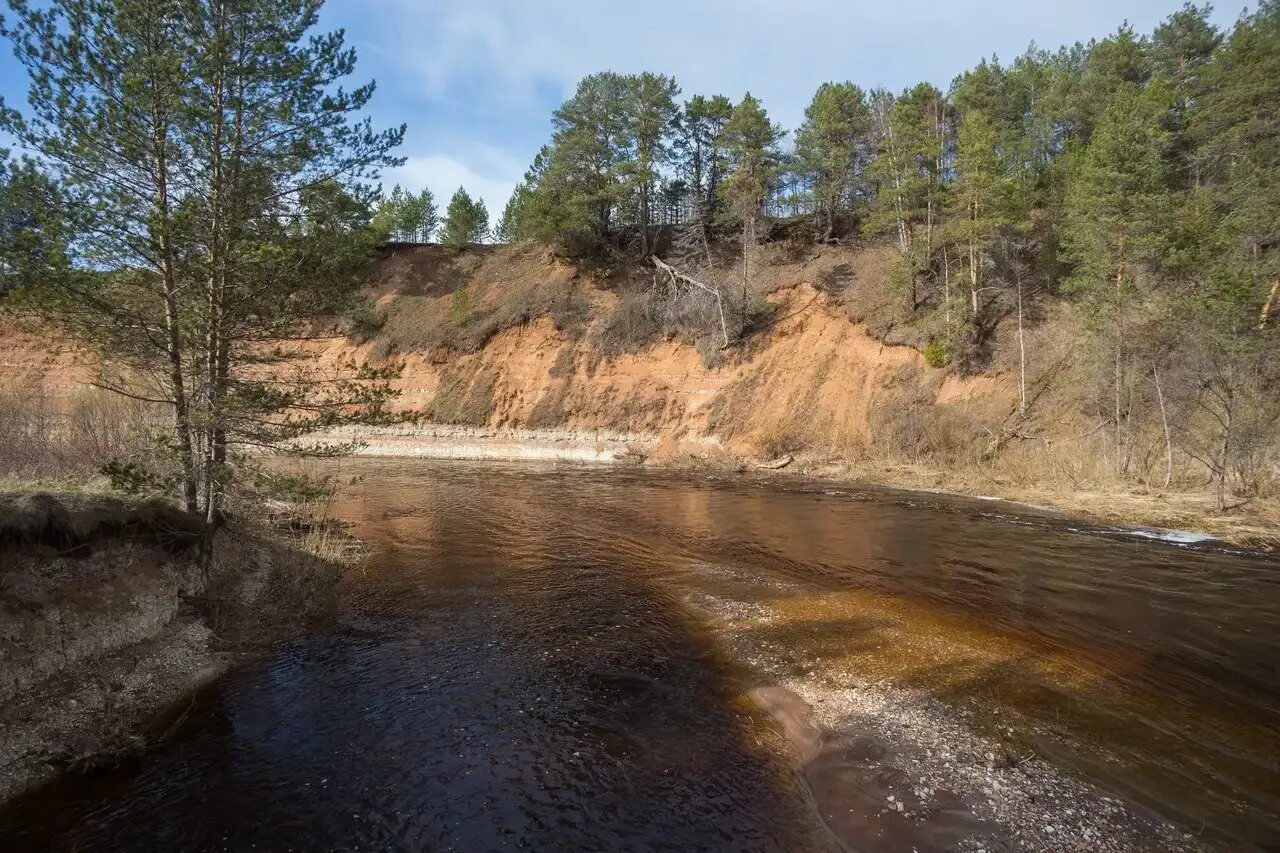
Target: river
541,657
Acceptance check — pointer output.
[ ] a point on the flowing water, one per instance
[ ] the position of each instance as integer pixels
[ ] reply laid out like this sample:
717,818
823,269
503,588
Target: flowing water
562,658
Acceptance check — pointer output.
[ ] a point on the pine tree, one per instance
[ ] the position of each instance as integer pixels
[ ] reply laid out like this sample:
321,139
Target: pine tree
907,171
751,142
1181,49
190,140
589,145
1112,225
1184,43
651,117
388,216
1118,65
33,233
511,227
479,221
405,217
979,199
834,147
1231,312
466,221
423,218
703,163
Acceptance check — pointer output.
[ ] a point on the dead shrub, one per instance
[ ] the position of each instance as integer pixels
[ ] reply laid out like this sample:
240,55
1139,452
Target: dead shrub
45,438
383,349
909,425
732,407
780,437
630,327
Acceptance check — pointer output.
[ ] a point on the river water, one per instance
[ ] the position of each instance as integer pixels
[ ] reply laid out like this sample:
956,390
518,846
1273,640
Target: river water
537,657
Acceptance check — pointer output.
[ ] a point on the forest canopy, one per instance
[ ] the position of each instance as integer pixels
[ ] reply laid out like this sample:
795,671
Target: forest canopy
201,187
1137,176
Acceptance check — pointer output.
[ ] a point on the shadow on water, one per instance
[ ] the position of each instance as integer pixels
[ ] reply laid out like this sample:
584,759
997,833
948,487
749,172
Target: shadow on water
492,680
524,660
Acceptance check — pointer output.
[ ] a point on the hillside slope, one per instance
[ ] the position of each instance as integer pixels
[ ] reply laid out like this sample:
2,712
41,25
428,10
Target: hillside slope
512,352
810,379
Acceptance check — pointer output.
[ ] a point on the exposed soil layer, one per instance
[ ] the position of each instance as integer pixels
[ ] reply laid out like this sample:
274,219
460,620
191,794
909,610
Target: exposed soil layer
108,620
513,342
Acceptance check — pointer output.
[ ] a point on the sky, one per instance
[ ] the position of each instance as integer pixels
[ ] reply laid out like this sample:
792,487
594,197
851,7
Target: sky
476,80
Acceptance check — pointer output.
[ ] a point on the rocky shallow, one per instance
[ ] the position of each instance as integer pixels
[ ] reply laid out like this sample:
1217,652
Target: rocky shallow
892,767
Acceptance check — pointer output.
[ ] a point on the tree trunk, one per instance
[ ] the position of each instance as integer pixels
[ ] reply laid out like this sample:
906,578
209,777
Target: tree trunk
645,214
1164,423
177,381
946,285
1022,352
974,257
1269,307
1118,373
162,233
215,343
748,238
904,230
973,280
1225,448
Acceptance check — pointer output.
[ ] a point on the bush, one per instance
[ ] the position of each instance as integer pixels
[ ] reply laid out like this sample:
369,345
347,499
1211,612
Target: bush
630,327
780,437
43,437
711,352
384,348
363,321
935,353
570,313
908,424
459,306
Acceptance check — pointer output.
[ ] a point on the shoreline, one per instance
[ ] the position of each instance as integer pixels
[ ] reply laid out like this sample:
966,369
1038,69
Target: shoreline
887,758
114,626
885,761
1172,517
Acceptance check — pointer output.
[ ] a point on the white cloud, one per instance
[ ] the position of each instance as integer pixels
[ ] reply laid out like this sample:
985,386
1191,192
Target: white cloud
780,51
488,173
477,79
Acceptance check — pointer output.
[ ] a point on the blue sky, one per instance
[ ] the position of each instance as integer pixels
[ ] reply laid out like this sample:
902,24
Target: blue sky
476,81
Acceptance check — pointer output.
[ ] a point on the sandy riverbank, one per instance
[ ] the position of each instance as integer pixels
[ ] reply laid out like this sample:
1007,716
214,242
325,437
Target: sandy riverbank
1253,524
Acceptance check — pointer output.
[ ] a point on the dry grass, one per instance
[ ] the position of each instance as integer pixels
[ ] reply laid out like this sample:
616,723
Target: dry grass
630,327
464,397
47,439
457,301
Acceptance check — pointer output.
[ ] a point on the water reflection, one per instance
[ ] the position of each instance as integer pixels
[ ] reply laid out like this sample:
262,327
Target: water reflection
524,659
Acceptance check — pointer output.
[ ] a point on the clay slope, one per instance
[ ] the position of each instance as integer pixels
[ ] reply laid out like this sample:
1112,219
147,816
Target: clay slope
811,379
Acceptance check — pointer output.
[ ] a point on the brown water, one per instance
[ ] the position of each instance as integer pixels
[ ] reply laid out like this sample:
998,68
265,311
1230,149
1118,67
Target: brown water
556,658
